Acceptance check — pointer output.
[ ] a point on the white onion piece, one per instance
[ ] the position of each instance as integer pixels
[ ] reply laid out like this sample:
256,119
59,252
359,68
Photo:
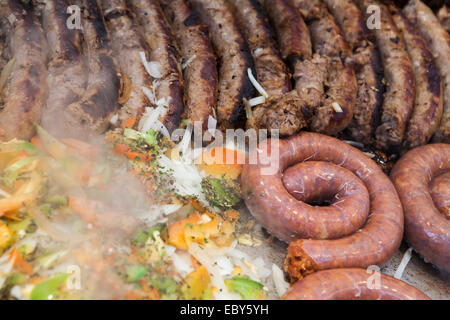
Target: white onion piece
256,84
402,266
281,285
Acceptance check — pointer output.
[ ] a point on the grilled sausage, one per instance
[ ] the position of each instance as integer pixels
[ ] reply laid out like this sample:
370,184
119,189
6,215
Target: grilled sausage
234,60
66,74
287,113
440,193
163,50
127,45
270,69
26,92
444,17
352,284
398,72
291,31
200,70
316,243
367,67
335,110
426,229
428,102
439,43
100,100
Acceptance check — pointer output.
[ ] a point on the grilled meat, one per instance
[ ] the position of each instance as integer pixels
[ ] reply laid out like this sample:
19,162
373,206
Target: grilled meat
367,65
200,69
163,50
399,76
438,41
234,60
26,90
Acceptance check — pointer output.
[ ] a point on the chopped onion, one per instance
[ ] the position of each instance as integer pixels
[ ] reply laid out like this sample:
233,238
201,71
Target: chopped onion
153,68
216,278
256,84
212,125
336,107
114,119
402,266
188,62
256,101
281,286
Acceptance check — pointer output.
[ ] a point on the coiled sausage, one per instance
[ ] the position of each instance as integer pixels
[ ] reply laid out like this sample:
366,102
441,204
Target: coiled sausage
426,228
351,284
336,236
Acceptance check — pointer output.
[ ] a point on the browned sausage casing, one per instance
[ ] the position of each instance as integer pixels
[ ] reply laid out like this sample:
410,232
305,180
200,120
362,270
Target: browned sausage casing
399,76
26,91
333,111
163,49
234,60
200,71
357,243
439,42
66,74
99,102
367,66
426,229
428,102
270,69
352,284
291,30
127,45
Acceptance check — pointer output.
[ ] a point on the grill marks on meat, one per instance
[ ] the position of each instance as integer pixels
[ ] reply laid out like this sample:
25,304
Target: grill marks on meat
200,71
338,88
234,60
163,50
428,104
288,112
367,65
99,102
66,75
26,90
438,41
399,76
127,43
270,69
291,31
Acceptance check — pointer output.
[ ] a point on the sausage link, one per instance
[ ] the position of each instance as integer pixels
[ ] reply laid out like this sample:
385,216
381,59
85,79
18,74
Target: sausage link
439,43
426,229
444,17
352,284
127,45
26,91
367,67
428,102
284,216
334,110
200,72
291,30
66,74
234,60
440,193
399,76
99,102
270,69
163,49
